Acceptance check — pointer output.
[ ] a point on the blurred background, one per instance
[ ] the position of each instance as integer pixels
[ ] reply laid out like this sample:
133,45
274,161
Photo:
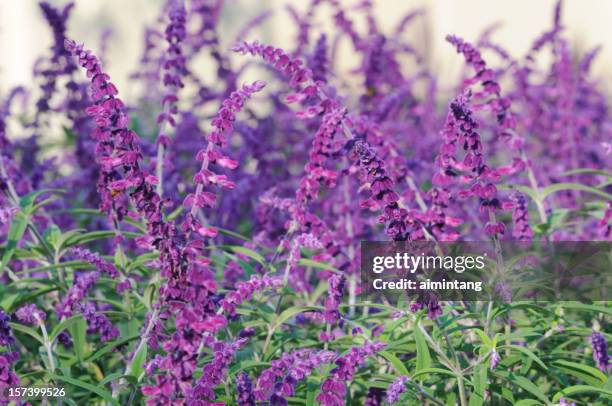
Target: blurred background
24,35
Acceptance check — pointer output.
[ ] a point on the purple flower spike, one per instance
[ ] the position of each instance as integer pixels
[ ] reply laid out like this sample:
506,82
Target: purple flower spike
30,314
6,334
520,217
96,260
395,390
244,390
8,378
98,323
600,351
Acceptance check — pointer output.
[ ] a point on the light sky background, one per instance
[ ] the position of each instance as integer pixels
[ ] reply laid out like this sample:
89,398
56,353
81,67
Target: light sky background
24,35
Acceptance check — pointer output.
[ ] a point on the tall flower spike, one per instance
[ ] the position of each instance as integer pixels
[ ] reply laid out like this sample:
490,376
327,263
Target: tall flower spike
174,70
217,138
279,59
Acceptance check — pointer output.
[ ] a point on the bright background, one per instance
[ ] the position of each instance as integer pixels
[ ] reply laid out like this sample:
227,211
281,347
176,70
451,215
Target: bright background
24,35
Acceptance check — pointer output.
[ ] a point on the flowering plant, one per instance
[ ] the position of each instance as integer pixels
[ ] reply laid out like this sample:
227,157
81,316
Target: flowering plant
200,245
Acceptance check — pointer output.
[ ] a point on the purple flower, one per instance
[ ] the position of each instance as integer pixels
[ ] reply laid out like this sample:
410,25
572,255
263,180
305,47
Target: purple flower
333,389
6,334
244,390
95,260
520,217
278,382
245,290
80,288
8,378
174,70
381,192
98,322
334,299
600,351
374,397
563,402
395,390
214,372
494,359
319,61
60,61
30,314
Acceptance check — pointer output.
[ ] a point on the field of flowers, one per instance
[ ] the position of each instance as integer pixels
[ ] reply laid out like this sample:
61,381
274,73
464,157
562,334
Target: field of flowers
201,246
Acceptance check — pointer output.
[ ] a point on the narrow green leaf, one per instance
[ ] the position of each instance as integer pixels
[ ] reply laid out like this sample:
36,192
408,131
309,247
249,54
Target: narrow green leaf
107,396
589,370
423,360
27,330
480,385
528,402
78,332
396,362
63,325
110,346
587,171
139,359
525,351
573,390
18,227
525,384
433,371
560,187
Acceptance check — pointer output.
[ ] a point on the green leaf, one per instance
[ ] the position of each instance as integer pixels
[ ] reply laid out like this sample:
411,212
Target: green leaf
480,385
27,330
423,360
587,307
18,227
139,359
528,402
560,187
109,378
319,265
587,171
527,352
484,338
63,325
573,390
571,367
396,362
433,371
290,312
525,384
52,235
237,249
78,332
107,396
110,346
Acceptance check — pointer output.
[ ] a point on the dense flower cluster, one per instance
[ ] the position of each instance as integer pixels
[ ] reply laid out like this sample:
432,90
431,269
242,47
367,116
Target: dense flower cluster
199,243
